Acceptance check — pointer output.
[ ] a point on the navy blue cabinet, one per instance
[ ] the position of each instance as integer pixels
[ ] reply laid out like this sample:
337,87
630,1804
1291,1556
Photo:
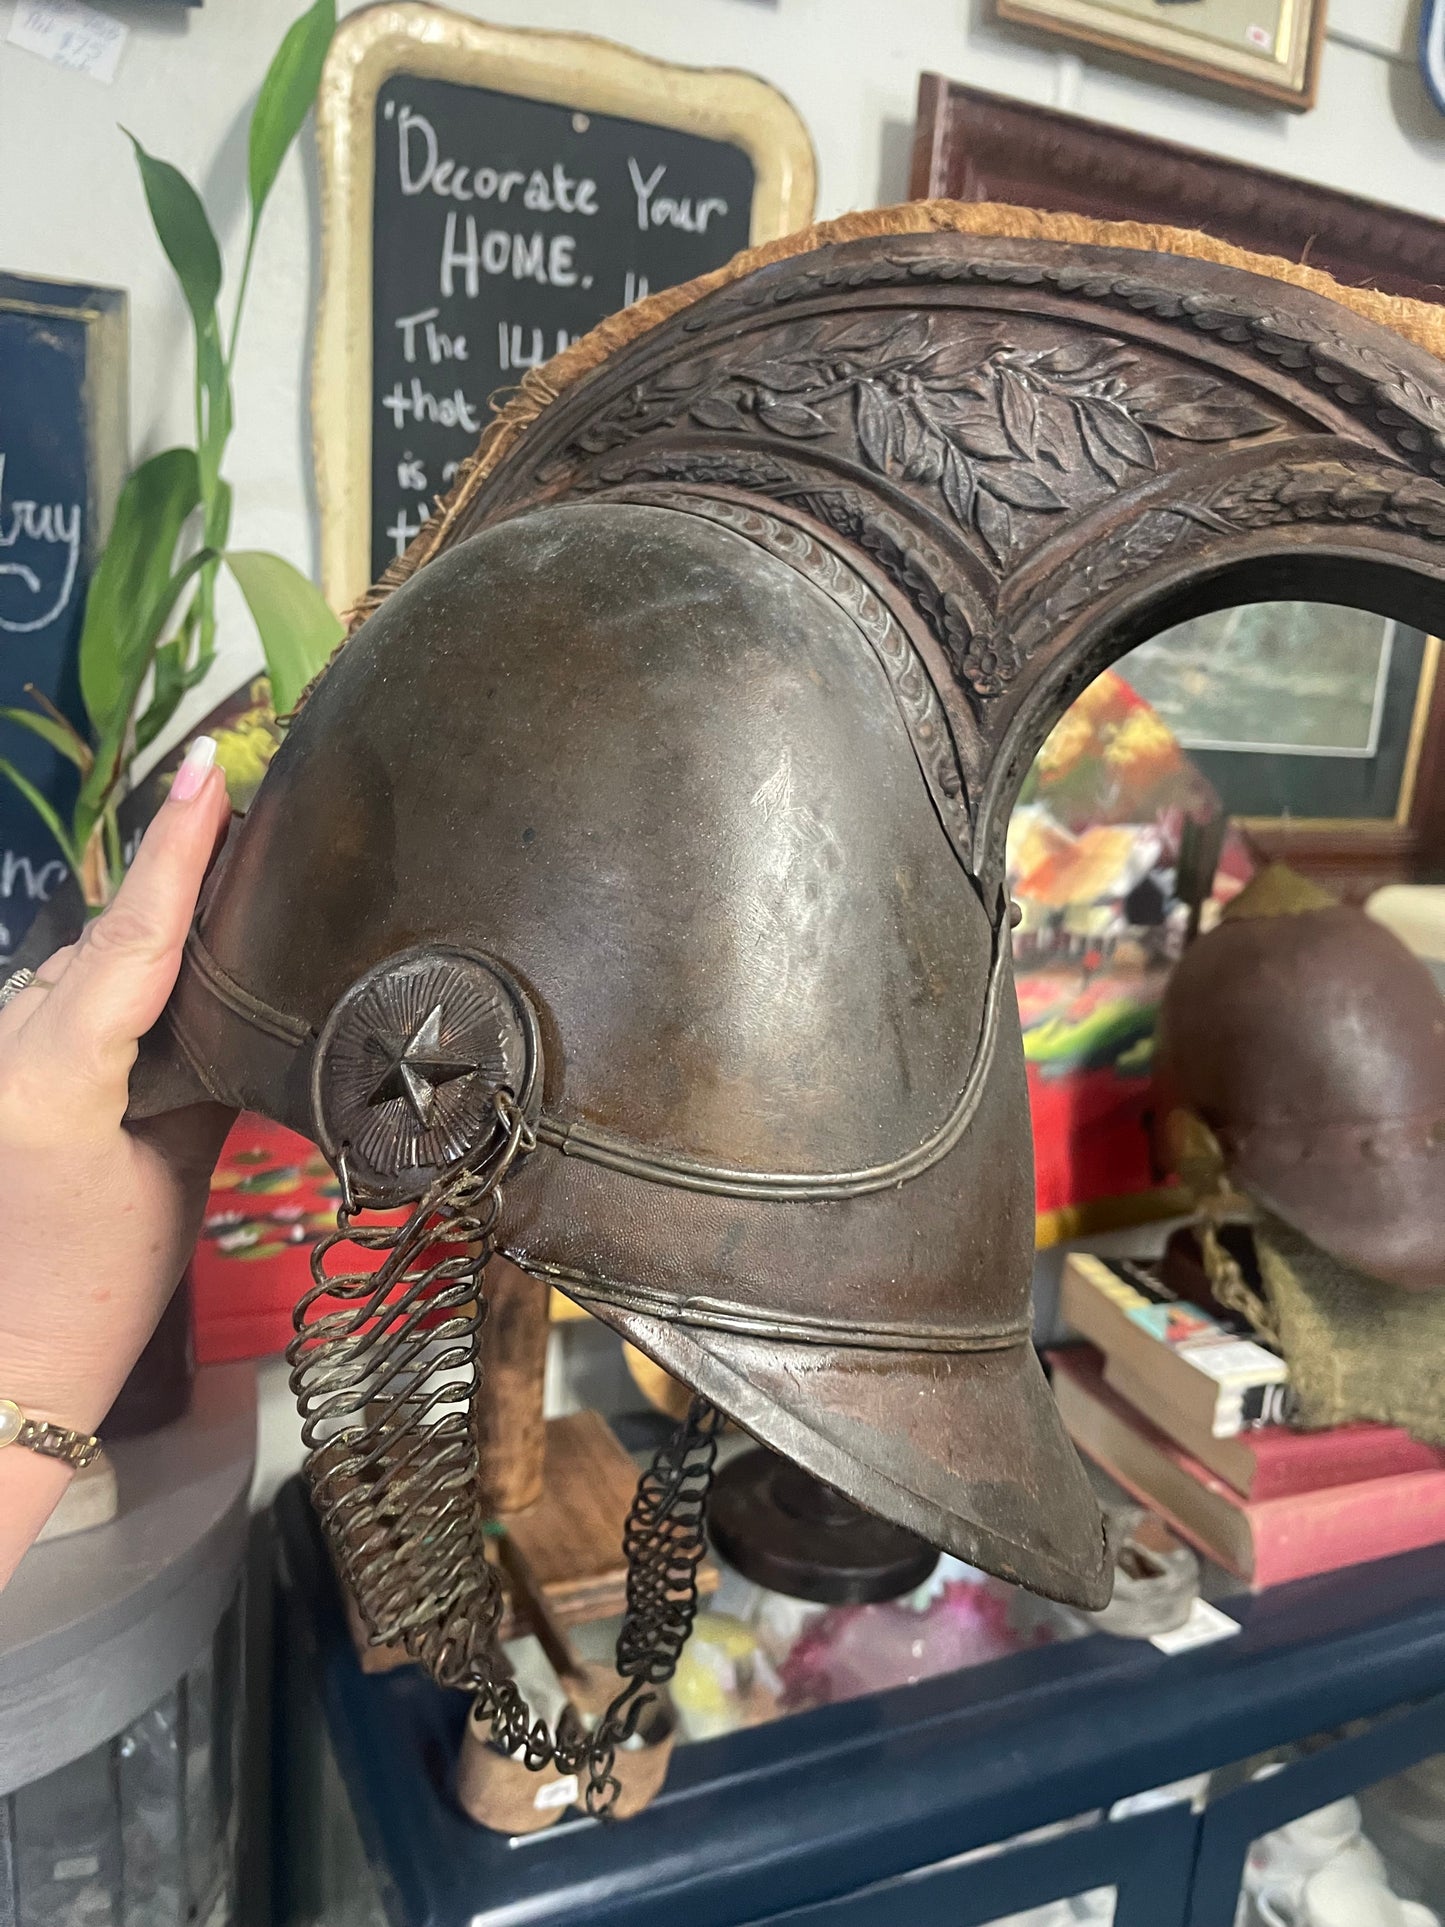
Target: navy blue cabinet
1399,1739
889,1808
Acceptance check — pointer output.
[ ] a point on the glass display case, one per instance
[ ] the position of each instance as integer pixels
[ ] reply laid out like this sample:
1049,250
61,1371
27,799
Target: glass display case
1346,1828
1080,1779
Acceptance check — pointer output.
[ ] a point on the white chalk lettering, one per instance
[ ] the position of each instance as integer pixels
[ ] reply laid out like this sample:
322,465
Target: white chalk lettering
37,883
518,347
436,342
512,351
666,211
408,124
402,531
34,531
560,271
424,169
409,324
528,259
421,405
467,256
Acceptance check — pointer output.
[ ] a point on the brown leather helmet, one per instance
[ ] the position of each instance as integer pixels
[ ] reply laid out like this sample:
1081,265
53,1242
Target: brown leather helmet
661,802
1312,1043
651,765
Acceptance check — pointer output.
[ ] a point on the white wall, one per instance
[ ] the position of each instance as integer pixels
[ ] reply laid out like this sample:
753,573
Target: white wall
71,207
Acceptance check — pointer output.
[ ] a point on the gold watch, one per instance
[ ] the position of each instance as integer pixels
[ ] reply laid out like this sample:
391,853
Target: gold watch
76,1449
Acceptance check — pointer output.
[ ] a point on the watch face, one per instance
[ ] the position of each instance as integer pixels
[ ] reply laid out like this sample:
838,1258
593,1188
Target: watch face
11,1421
409,1066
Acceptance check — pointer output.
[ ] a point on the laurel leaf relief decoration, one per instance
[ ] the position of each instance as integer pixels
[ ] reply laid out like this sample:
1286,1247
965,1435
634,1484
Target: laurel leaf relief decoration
997,431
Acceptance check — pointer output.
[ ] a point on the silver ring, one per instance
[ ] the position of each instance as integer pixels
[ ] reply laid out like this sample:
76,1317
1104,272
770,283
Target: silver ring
17,981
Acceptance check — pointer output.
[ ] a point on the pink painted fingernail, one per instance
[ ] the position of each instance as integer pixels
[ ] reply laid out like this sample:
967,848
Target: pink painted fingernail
199,761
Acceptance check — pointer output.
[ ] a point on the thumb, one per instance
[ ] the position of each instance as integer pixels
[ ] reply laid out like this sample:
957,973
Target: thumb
125,965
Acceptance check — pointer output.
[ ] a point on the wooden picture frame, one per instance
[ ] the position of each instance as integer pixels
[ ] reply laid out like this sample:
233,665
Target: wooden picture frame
975,146
970,145
1273,55
576,71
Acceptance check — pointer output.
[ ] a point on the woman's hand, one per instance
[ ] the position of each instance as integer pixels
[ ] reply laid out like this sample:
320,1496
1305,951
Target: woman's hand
97,1220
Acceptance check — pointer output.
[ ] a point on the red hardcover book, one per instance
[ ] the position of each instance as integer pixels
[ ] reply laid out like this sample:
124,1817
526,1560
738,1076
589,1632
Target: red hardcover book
1267,1542
1275,1461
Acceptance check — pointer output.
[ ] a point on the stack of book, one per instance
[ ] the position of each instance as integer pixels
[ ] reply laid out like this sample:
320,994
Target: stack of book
1184,1409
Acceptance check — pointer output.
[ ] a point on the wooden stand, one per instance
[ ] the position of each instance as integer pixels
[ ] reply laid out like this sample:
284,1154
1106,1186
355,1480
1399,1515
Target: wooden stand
561,1490
509,1423
488,1789
571,1538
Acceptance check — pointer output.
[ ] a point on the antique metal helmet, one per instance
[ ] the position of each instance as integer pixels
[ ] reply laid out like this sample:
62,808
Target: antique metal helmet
645,845
1311,1043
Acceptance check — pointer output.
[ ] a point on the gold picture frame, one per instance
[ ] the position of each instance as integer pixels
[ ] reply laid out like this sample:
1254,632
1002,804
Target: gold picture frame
1270,48
577,71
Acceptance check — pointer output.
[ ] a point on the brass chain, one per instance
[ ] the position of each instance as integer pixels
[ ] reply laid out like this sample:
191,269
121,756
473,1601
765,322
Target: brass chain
386,1371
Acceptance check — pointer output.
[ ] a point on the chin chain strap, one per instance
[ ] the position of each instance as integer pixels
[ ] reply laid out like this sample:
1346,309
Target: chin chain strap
384,1366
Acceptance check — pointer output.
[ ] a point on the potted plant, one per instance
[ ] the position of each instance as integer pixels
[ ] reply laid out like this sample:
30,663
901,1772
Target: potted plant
149,630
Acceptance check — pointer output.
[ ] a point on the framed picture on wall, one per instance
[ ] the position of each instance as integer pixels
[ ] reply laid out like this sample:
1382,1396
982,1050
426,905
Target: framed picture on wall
1318,726
1267,47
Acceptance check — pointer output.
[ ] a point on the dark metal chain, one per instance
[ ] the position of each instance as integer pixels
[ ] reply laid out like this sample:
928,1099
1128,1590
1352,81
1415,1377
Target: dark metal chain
385,1369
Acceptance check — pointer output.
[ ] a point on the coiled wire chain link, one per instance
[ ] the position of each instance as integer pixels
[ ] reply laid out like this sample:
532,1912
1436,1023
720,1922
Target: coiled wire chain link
385,1369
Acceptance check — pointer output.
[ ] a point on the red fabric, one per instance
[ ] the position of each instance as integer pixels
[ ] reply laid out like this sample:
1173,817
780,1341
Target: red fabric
1091,1137
272,1197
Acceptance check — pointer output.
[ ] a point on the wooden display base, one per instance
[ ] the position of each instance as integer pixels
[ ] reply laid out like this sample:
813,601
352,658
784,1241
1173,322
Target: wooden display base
571,1538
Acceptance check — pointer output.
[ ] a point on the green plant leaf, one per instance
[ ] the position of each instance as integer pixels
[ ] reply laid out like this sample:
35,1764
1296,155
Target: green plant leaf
218,525
59,735
169,687
286,93
218,518
298,630
118,630
213,412
44,810
111,753
174,678
183,231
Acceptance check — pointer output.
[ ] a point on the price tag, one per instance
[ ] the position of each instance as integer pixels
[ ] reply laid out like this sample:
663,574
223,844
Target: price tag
1204,1625
556,1793
70,35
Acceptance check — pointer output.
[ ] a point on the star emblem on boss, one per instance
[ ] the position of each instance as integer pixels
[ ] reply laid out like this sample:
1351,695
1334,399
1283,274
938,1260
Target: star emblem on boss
416,1068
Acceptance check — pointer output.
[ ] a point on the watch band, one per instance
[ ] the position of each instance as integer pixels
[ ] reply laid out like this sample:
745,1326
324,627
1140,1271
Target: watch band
76,1449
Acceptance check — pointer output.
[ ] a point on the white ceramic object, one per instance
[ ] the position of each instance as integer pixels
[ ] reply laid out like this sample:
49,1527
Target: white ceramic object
1055,1914
1097,1906
1346,1894
1281,1863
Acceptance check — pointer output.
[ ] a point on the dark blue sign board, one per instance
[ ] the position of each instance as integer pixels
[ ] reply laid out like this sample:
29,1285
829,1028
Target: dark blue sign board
62,460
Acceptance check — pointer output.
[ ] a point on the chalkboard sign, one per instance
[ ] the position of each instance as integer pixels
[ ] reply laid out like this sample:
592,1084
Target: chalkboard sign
62,453
503,229
490,196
